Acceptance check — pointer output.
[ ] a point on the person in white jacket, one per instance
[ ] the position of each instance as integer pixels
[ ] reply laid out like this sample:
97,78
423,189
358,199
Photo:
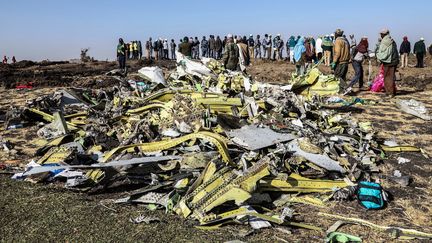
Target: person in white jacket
318,48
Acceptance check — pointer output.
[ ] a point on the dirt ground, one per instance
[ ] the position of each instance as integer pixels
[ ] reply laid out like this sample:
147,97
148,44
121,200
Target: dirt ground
38,212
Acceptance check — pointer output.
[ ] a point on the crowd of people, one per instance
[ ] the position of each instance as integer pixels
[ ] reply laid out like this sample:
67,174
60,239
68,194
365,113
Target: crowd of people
335,50
6,59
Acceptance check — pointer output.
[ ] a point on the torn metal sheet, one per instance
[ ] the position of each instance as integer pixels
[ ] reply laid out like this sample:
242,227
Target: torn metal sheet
223,186
415,108
253,137
42,169
318,159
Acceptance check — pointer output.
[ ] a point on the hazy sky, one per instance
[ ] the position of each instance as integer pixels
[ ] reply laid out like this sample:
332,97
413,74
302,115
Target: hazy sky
58,29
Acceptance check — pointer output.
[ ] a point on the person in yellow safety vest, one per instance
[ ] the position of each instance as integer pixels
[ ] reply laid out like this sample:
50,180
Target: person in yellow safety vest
131,50
135,49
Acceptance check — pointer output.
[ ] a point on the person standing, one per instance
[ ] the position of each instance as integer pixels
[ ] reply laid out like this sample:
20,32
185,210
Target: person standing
292,43
13,59
251,46
420,51
341,57
195,48
212,47
404,51
204,47
121,55
156,50
149,48
244,57
430,49
268,46
230,57
131,50
5,60
185,48
327,46
359,54
318,48
280,48
300,56
173,49
165,49
140,52
219,45
258,47
388,56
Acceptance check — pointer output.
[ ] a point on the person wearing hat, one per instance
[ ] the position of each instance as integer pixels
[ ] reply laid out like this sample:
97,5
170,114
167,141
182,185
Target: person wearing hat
388,56
231,54
251,46
404,51
420,51
341,57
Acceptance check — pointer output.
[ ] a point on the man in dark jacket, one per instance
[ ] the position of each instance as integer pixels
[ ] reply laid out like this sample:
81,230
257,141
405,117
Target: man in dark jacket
212,48
185,47
231,54
404,51
204,47
121,55
218,46
420,51
251,46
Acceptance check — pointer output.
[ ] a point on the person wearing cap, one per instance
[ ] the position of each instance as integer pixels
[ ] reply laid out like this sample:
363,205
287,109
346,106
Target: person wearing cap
204,47
341,57
121,55
185,48
420,51
388,56
327,47
404,51
251,46
231,54
258,47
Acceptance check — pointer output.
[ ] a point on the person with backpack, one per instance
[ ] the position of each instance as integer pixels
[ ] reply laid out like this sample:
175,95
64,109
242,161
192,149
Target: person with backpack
359,54
420,51
404,51
388,56
230,57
